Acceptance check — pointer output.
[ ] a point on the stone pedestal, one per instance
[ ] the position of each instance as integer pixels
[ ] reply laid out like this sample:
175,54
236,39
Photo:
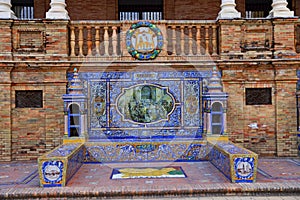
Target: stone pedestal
280,9
228,10
57,10
5,10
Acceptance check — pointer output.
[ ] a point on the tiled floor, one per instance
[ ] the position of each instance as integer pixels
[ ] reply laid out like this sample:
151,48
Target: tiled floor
278,174
196,172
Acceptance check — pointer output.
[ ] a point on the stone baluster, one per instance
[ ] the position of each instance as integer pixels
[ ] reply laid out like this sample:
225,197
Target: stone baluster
80,41
280,9
114,40
182,37
214,40
5,10
57,10
174,40
207,40
198,39
97,40
228,10
72,39
190,48
89,40
106,41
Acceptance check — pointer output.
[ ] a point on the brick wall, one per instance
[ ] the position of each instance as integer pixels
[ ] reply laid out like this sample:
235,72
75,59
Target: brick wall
38,130
275,131
230,36
284,36
5,114
190,9
286,110
260,139
40,8
5,39
90,9
27,133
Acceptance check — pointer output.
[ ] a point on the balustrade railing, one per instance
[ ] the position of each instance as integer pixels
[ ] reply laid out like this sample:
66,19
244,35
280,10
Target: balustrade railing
107,39
94,39
194,38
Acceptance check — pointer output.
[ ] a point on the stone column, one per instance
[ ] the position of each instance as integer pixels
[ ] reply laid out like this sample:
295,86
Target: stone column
280,9
5,10
228,10
57,10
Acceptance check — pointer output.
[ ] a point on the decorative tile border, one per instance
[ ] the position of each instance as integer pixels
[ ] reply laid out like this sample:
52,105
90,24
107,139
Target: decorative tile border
145,151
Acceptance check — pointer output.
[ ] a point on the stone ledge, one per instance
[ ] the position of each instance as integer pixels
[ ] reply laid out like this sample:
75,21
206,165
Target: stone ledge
227,189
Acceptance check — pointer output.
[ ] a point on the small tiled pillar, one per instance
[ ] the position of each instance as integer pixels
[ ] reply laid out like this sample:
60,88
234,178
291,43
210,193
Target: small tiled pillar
228,10
215,103
280,9
57,10
75,97
5,10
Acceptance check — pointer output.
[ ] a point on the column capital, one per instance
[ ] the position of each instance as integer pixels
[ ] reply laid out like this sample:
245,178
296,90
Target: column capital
228,10
5,10
280,9
57,10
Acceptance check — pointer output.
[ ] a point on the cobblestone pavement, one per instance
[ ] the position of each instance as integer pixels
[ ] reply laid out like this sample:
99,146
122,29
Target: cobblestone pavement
277,178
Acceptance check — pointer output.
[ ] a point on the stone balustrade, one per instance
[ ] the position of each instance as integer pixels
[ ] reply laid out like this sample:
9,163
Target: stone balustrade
94,39
192,38
102,39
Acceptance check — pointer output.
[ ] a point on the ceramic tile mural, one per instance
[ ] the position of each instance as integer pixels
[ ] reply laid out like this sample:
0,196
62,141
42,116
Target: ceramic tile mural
144,105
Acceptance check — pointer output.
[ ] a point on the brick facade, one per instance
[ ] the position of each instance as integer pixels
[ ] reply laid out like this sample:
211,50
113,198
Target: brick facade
275,130
35,56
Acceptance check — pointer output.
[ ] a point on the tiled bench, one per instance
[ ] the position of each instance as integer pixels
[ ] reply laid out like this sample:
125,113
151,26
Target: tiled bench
236,163
59,165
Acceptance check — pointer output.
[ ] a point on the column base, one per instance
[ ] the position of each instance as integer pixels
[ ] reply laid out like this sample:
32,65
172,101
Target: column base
7,15
57,15
284,14
229,15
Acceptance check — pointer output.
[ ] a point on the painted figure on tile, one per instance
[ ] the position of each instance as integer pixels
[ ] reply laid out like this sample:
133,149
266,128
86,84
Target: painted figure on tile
144,39
145,103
